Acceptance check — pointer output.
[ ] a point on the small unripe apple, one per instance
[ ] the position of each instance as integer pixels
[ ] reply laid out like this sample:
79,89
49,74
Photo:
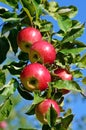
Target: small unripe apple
35,76
3,124
64,75
43,107
27,36
42,52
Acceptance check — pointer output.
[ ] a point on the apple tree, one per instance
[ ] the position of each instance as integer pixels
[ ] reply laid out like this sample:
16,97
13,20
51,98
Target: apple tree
40,63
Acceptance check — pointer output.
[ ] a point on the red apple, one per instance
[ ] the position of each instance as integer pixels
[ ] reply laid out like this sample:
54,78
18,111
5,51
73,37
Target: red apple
3,124
43,52
64,75
35,76
27,36
43,107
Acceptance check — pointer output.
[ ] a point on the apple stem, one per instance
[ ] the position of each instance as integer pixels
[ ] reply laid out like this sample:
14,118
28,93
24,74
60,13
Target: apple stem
49,92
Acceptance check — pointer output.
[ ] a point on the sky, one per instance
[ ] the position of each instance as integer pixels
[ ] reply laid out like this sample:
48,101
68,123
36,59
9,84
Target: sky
77,105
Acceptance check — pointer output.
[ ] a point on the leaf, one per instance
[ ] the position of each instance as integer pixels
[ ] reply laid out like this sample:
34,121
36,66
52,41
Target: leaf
13,4
73,34
31,110
82,62
24,93
46,127
65,84
9,88
37,97
9,26
51,116
72,51
53,6
69,11
2,78
13,40
64,23
26,129
4,45
84,80
67,120
5,109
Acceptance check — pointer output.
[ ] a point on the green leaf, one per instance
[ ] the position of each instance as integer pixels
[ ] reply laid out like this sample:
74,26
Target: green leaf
53,6
64,23
73,51
31,110
37,97
65,84
4,45
84,80
26,129
46,127
51,116
9,88
5,109
69,11
2,78
13,40
73,34
82,62
67,120
24,93
15,68
9,26
11,3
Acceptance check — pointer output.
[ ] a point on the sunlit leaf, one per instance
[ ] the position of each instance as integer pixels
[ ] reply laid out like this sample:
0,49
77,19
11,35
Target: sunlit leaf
5,109
2,78
64,84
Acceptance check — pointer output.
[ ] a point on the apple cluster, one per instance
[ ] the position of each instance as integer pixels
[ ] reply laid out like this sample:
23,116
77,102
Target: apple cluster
36,76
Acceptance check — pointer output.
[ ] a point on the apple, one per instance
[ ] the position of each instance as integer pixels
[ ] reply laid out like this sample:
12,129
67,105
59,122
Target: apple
3,124
43,52
26,37
43,107
35,76
64,75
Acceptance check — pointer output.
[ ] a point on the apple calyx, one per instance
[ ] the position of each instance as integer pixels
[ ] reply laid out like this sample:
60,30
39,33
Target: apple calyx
35,76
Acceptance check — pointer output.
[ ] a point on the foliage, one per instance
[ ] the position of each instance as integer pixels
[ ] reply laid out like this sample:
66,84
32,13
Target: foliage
26,13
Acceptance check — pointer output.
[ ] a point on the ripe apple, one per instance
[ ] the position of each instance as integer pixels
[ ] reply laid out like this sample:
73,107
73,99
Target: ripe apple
3,124
42,52
64,75
43,107
35,76
27,36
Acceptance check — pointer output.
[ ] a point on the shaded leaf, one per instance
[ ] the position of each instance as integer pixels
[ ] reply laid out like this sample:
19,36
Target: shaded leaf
51,116
31,110
13,40
82,62
24,93
11,3
4,45
84,80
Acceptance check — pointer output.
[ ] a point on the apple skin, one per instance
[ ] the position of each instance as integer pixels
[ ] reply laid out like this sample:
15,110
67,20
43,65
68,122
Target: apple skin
43,52
42,109
35,76
26,37
3,124
64,75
